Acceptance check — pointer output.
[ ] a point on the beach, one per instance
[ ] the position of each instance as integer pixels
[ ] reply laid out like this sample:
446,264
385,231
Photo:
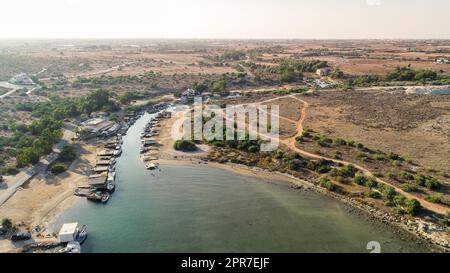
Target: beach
41,202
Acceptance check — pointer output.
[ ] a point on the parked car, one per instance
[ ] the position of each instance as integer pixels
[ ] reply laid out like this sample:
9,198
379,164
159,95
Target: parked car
20,236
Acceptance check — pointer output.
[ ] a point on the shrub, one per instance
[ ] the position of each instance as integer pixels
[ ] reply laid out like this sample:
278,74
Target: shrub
407,176
377,174
371,182
340,141
57,168
412,206
391,175
409,187
394,156
360,180
348,171
388,192
439,199
184,145
427,181
67,153
432,183
7,224
380,157
372,194
326,183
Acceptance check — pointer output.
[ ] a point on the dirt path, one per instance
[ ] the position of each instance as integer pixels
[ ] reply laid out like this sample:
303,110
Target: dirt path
290,143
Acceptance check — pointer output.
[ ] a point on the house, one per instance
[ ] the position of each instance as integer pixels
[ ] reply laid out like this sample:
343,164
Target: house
323,71
21,79
68,232
94,127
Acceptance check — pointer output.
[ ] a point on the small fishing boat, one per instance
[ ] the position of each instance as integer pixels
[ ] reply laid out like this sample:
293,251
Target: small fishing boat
81,234
111,176
151,166
111,186
117,152
71,247
105,197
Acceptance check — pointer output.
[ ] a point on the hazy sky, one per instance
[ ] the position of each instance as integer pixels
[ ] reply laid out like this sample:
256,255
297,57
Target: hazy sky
225,19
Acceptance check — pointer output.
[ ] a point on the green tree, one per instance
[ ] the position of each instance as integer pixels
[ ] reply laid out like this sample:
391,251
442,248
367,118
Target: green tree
412,206
58,168
67,153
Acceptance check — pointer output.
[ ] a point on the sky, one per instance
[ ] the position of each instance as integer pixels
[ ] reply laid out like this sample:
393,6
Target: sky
229,19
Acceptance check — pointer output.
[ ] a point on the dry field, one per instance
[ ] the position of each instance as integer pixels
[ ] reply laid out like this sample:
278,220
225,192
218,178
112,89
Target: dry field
412,126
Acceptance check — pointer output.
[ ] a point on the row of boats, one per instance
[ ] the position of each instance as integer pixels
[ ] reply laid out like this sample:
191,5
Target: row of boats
149,146
101,182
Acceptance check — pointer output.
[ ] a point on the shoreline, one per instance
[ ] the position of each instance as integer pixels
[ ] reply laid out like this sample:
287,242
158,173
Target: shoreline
400,225
425,233
368,213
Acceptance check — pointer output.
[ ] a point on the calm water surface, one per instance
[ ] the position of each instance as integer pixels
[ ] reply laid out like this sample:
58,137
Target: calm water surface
204,209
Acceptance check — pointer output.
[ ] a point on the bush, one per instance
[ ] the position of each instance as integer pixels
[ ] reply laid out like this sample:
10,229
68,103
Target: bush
348,171
360,180
438,198
427,181
67,153
432,183
58,168
326,183
372,194
7,224
388,192
407,176
412,206
409,187
185,146
371,182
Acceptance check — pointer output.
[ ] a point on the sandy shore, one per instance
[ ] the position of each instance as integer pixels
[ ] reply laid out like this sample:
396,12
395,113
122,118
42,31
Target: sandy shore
41,200
45,198
412,228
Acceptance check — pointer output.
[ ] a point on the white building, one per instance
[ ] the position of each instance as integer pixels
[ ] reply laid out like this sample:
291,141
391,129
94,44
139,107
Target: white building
21,79
68,232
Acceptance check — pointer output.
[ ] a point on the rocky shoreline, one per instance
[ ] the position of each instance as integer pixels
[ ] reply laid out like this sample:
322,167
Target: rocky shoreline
422,232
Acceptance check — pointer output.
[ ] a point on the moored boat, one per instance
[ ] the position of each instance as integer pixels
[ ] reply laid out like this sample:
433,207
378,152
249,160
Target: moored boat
71,247
81,234
105,197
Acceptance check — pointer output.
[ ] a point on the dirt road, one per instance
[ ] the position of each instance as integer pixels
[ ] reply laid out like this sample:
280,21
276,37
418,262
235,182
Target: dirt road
290,143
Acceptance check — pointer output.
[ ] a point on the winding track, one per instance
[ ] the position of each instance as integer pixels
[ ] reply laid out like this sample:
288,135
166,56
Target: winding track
290,143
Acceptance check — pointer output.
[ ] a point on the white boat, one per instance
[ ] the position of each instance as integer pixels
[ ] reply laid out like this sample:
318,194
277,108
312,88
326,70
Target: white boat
118,152
111,176
151,166
71,247
110,186
105,197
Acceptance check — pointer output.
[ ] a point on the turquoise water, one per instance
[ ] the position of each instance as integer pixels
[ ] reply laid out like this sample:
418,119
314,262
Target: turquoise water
204,209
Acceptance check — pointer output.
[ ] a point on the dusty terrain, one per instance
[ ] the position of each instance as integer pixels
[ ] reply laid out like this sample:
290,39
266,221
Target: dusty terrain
412,126
46,195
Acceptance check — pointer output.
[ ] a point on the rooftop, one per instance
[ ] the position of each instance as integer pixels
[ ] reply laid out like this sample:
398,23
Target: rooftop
68,228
